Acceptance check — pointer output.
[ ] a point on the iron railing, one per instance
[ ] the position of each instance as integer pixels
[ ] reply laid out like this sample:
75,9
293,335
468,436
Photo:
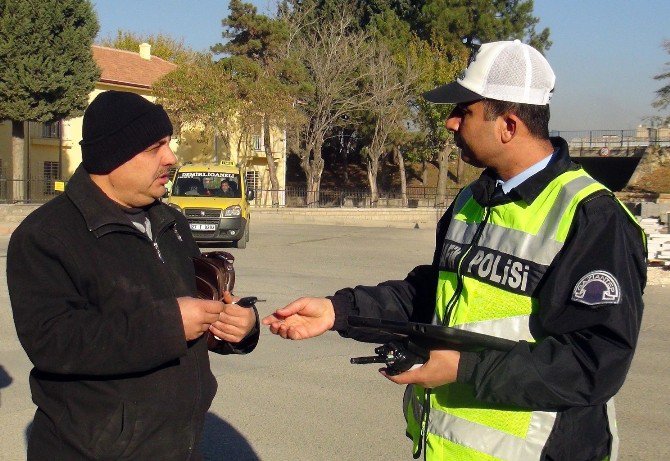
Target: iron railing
33,190
299,197
41,189
616,138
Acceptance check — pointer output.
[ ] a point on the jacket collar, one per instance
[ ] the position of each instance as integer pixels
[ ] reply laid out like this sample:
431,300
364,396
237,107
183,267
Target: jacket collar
528,191
101,214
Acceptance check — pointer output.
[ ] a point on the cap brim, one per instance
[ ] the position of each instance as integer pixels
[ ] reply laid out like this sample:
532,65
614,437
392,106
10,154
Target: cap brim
451,93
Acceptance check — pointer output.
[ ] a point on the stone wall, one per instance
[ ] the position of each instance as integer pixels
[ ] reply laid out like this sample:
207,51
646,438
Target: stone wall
366,217
652,158
11,216
624,151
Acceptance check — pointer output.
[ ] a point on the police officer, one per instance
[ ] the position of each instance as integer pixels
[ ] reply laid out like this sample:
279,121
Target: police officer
536,251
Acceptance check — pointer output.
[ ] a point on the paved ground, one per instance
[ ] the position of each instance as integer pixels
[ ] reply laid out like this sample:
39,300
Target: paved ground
303,400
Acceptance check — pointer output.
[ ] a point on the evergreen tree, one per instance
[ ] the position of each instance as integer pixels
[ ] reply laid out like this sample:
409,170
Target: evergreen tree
258,63
47,69
250,34
480,21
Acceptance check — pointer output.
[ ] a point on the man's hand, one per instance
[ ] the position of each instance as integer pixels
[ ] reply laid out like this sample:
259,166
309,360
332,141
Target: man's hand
440,369
197,315
303,318
234,322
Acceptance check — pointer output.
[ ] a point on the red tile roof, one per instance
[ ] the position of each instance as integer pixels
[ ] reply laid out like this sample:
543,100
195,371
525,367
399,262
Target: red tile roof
120,67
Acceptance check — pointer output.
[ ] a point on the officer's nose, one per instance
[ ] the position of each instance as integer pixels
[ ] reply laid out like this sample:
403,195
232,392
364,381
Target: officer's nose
453,122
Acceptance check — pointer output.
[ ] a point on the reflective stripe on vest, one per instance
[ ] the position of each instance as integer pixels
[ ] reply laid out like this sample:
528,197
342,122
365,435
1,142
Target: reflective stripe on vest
482,438
498,275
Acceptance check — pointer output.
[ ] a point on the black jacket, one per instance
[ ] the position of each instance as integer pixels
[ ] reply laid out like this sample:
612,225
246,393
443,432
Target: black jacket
587,350
94,303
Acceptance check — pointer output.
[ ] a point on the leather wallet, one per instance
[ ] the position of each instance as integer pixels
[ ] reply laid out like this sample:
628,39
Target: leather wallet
215,274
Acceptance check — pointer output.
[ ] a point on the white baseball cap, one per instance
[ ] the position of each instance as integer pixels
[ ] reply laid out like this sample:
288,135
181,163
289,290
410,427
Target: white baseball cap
507,71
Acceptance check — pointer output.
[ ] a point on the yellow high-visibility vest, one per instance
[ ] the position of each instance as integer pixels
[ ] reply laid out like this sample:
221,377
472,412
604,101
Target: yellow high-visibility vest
509,247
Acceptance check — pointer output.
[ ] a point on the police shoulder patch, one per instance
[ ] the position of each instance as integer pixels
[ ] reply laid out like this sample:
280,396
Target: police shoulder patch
597,287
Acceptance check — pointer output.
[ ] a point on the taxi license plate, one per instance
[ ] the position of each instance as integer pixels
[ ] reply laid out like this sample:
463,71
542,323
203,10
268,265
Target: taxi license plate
202,227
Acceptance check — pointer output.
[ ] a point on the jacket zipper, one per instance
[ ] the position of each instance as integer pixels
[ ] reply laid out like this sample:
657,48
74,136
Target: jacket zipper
157,250
198,375
445,321
459,274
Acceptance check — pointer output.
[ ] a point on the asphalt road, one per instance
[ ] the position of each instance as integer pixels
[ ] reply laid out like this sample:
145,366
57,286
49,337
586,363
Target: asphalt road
303,400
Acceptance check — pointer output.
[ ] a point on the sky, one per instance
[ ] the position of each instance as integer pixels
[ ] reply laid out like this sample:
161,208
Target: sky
604,53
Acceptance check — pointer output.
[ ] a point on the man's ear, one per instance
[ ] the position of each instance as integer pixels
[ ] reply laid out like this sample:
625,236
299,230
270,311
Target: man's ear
510,126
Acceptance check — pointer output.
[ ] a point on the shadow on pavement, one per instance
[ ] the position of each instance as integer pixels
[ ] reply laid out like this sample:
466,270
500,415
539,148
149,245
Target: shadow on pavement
5,379
222,441
26,433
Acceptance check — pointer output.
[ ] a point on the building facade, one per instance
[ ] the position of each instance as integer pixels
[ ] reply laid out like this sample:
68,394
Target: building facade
52,150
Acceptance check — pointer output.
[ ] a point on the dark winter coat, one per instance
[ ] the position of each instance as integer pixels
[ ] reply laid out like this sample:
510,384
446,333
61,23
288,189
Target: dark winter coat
94,302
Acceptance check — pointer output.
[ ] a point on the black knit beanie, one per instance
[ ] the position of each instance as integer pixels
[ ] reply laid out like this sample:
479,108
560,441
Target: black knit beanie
117,126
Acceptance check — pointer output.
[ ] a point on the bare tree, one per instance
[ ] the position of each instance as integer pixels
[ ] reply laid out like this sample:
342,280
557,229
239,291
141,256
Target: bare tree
662,100
389,88
333,56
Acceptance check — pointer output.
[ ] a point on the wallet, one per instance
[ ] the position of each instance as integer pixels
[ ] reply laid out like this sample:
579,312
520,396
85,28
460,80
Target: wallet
215,274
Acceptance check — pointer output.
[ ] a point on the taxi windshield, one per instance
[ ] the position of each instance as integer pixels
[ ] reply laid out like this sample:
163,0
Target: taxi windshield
207,184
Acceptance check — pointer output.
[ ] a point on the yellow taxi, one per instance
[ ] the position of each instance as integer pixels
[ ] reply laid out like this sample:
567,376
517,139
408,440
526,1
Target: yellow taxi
215,200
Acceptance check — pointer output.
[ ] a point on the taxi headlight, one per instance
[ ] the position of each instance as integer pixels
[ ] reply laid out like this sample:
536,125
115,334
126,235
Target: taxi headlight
234,210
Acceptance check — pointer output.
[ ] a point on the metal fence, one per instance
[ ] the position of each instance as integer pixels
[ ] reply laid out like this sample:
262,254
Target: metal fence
298,197
41,190
33,190
616,138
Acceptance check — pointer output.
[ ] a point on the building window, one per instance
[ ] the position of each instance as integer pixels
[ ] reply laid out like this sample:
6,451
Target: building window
51,130
253,181
51,174
257,142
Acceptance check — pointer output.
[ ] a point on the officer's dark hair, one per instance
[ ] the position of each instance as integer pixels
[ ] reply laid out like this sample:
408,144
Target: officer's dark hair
535,117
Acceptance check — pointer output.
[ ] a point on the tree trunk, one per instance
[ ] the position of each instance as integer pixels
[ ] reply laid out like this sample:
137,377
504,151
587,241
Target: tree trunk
460,168
344,157
403,175
312,164
443,162
373,169
272,170
424,172
314,182
16,191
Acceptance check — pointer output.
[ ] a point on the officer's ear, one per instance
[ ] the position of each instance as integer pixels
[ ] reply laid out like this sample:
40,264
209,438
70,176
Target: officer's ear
510,125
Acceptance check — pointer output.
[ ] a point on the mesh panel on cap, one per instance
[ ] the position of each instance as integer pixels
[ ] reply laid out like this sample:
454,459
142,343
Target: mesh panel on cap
518,75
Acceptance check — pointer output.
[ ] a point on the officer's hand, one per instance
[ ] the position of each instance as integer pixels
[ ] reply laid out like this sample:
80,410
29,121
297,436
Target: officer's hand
197,315
441,368
234,322
303,318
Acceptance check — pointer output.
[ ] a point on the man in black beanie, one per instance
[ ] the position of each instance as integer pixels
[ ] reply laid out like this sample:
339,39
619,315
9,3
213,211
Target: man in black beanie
102,289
